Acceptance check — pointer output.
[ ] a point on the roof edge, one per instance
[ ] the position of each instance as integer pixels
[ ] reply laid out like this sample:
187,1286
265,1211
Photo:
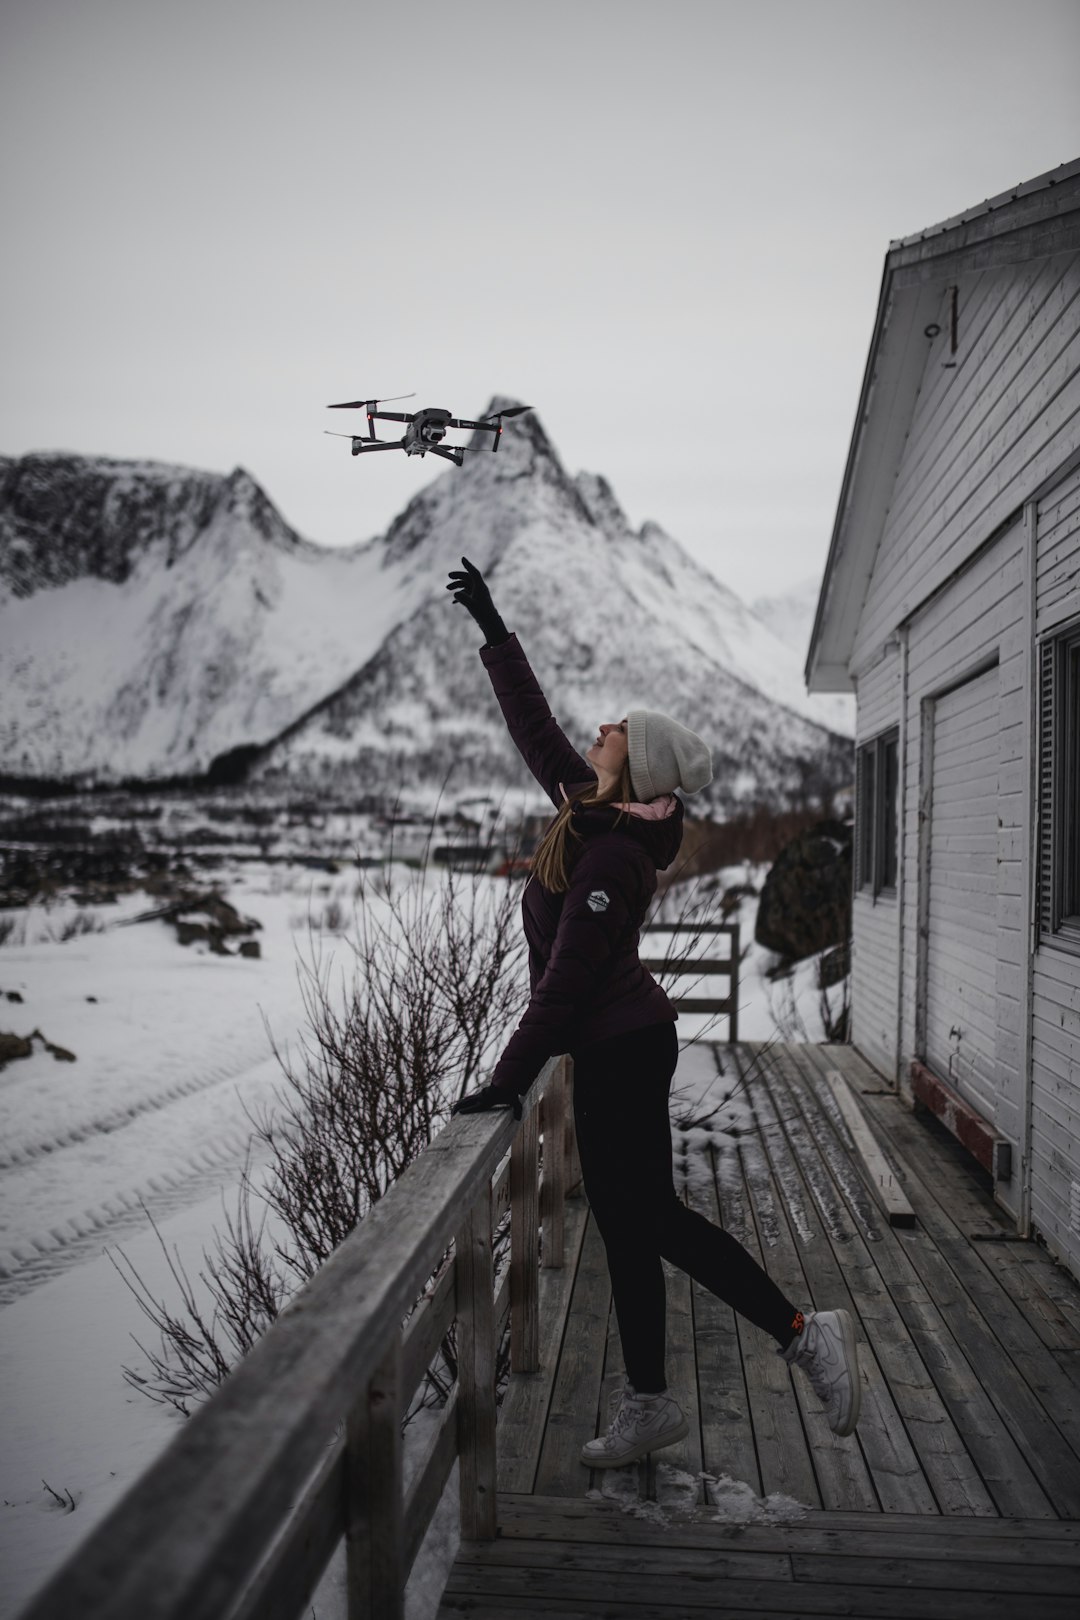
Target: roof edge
1041,182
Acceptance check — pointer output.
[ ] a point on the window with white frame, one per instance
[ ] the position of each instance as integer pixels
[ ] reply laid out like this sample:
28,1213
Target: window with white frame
875,813
1058,875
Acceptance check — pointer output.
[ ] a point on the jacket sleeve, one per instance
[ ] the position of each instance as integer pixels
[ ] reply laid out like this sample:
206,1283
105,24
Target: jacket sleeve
548,753
596,917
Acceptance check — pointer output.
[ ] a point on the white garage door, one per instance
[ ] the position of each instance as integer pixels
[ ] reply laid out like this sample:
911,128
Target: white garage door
961,947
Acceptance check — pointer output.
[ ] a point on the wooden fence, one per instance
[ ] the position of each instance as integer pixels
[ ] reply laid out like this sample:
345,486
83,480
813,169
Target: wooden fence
238,1519
699,966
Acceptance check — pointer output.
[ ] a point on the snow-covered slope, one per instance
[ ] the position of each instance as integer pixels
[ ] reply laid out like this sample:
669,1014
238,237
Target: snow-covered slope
153,617
789,616
611,619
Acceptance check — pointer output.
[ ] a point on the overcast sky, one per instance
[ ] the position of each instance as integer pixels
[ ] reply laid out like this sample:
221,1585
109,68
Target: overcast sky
663,224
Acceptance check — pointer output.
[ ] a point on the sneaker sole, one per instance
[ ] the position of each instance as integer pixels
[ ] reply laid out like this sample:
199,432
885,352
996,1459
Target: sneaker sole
639,1451
847,1329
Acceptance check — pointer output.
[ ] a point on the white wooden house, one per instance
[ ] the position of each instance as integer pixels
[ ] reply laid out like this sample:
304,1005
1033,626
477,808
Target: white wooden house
951,607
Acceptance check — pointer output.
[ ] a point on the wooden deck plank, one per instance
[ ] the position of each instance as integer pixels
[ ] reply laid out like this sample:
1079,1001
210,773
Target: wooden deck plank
783,1454
573,1412
884,1182
685,1455
972,1351
837,1262
839,1465
1001,1461
946,1462
899,1563
1037,1402
565,1518
664,1595
523,1413
727,1435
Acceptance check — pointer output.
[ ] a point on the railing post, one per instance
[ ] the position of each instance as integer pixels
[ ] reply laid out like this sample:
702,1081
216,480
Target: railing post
524,1247
733,985
555,1100
374,1526
573,1173
474,1281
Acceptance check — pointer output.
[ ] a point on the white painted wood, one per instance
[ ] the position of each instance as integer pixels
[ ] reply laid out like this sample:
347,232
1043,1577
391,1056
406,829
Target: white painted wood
961,961
1054,1035
874,966
982,440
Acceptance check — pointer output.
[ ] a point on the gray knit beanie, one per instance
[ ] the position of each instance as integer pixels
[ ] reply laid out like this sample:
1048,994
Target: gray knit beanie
664,755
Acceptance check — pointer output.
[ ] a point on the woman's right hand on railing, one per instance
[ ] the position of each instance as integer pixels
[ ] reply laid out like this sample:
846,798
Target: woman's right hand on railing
470,590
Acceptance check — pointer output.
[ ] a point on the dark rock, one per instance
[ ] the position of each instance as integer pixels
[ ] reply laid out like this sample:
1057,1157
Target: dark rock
14,1046
250,947
91,998
22,1046
835,965
187,933
805,904
13,995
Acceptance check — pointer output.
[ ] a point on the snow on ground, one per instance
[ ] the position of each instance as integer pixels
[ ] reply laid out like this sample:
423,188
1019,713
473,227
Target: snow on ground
171,1049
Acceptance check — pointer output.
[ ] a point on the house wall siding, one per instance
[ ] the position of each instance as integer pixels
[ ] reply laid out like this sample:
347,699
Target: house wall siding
984,435
1055,1002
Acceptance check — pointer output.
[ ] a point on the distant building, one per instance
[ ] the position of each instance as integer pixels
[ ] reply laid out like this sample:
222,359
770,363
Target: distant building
951,607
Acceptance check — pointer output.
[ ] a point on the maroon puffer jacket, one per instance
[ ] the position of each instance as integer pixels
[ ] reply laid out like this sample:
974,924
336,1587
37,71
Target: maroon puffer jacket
586,977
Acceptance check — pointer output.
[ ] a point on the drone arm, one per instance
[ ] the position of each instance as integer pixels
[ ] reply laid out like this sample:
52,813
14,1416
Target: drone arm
454,455
461,422
389,416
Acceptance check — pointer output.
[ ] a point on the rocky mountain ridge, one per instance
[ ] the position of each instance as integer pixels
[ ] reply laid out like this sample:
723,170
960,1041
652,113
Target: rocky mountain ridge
153,618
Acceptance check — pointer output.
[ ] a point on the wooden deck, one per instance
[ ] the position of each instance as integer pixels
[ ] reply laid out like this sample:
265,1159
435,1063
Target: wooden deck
959,1494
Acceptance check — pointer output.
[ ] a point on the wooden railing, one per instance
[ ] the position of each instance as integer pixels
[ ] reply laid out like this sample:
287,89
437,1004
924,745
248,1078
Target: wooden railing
699,966
238,1519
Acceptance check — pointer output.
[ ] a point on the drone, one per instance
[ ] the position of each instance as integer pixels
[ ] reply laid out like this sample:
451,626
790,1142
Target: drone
425,429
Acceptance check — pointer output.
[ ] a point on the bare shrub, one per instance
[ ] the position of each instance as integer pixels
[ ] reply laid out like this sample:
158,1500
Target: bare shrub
83,922
436,979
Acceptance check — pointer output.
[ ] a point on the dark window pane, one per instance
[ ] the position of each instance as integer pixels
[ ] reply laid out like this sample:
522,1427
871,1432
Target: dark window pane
866,817
1070,794
888,841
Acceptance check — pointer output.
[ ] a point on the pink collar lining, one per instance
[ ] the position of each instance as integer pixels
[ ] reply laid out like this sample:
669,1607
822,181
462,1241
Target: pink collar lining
656,810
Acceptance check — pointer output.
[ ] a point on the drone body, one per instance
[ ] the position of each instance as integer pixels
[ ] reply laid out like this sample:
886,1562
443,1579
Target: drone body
424,429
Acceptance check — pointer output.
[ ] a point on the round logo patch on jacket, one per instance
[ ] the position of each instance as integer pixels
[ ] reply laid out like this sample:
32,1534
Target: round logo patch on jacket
599,901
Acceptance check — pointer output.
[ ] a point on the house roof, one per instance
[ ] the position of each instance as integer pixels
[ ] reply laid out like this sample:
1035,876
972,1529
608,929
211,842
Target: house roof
1035,219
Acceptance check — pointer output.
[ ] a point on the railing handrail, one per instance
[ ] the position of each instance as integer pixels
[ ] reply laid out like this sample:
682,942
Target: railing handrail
188,1537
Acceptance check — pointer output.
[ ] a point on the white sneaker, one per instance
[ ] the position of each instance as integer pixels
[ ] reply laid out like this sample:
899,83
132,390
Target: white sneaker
825,1350
641,1424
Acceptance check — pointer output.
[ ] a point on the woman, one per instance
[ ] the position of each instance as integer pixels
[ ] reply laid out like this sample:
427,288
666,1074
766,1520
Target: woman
593,876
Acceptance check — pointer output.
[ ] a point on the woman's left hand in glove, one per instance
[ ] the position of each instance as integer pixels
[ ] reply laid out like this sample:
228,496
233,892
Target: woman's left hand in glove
476,1102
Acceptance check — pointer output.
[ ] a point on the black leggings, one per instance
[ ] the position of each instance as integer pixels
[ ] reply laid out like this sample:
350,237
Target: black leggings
621,1091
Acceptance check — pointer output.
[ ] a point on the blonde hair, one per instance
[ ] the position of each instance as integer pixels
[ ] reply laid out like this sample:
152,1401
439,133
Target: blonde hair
554,858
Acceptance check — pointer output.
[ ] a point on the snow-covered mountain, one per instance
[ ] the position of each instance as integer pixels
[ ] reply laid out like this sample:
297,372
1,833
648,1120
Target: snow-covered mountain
152,618
611,619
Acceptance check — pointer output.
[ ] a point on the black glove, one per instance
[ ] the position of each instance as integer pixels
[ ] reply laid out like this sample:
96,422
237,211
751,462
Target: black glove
469,588
477,1102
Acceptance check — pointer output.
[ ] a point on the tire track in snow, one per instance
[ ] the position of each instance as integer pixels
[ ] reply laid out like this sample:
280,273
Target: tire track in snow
117,1118
41,1256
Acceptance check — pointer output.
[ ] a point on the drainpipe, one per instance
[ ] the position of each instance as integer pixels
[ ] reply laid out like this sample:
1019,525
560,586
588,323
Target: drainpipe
1029,885
901,841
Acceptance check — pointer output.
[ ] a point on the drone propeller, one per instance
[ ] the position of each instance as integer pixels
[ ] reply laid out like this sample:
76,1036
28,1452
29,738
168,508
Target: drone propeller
359,404
513,410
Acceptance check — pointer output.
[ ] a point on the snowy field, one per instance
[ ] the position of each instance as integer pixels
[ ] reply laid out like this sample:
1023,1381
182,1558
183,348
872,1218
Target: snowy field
172,1053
